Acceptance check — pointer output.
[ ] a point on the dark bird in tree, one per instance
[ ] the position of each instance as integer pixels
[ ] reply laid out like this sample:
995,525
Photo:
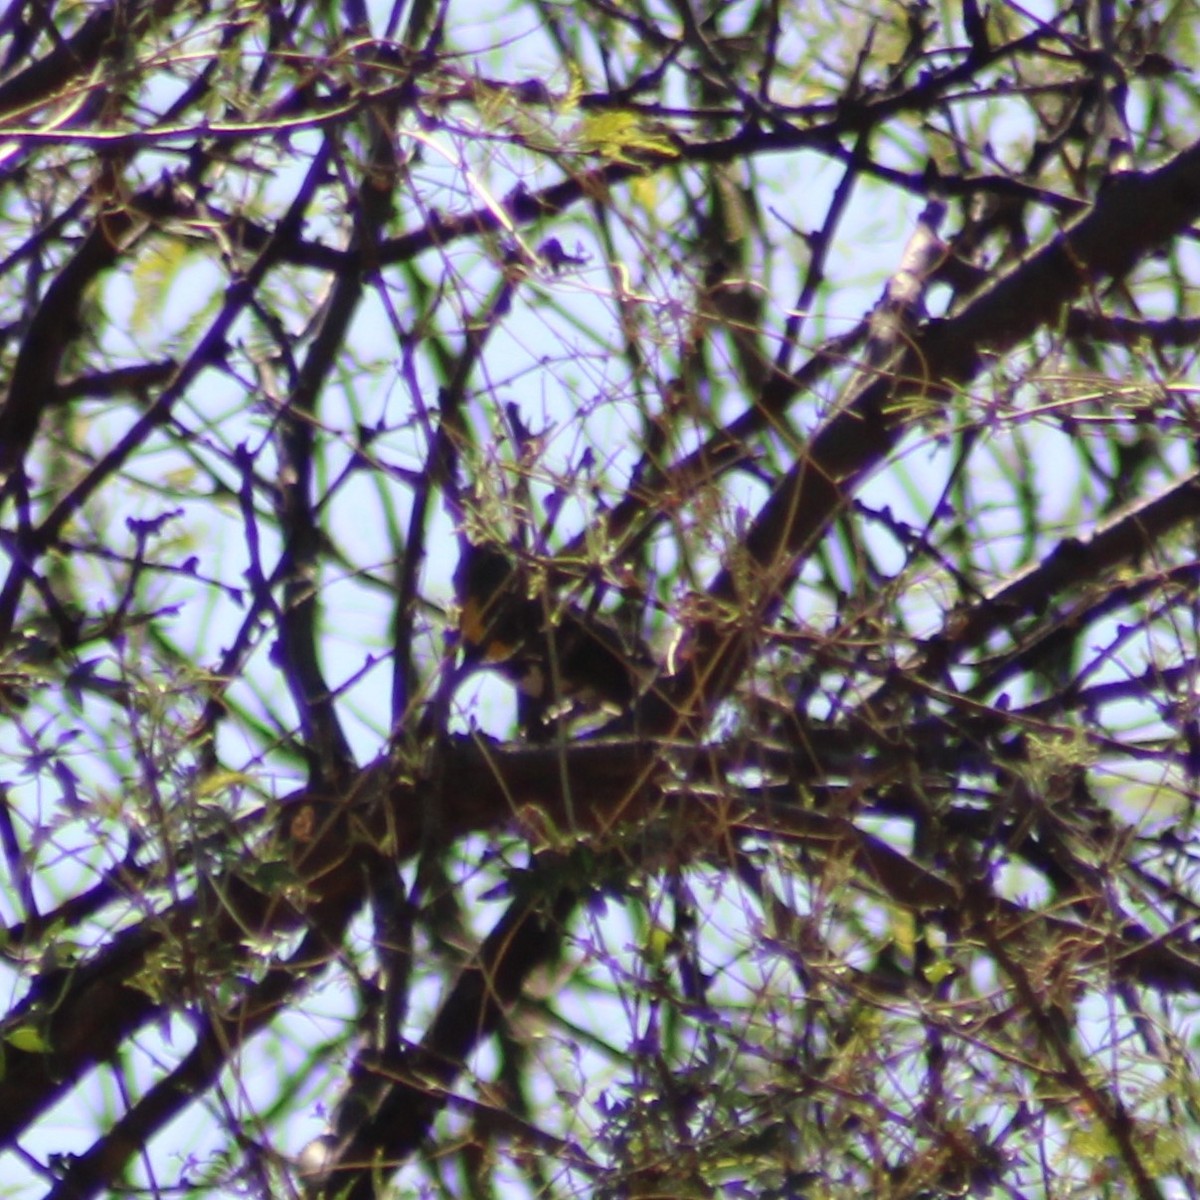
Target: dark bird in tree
563,660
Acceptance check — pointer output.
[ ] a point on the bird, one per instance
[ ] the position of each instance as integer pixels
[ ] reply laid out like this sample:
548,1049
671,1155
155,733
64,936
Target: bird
560,658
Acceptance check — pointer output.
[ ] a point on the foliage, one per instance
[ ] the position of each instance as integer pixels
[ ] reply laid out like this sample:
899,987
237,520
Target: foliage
818,380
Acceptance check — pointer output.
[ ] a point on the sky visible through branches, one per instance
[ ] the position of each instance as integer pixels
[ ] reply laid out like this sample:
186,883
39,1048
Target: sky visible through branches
810,812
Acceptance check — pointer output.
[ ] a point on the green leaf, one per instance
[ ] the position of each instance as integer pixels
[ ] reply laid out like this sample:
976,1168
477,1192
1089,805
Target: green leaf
152,277
617,135
28,1039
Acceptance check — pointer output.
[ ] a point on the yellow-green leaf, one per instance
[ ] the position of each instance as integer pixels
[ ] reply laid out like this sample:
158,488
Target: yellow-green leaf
616,135
28,1039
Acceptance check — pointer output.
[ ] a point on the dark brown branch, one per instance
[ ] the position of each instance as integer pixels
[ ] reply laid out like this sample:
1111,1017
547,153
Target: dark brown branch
219,1038
1133,216
415,1085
